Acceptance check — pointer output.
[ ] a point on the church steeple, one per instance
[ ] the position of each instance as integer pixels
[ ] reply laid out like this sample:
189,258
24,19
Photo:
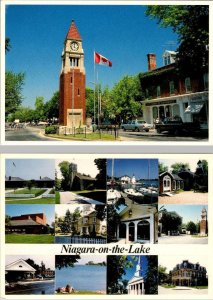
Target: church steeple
138,268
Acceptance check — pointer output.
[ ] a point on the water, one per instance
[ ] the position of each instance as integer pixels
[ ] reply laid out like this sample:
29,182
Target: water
145,183
82,278
47,288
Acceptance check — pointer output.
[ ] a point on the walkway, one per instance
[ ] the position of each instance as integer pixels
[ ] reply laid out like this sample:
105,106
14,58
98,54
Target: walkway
181,290
72,198
186,197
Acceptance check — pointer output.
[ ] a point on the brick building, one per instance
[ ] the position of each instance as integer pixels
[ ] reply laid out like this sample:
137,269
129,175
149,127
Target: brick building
29,224
189,274
72,109
167,94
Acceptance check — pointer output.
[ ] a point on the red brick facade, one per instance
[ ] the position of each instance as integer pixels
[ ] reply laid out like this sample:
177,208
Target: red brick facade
38,218
66,81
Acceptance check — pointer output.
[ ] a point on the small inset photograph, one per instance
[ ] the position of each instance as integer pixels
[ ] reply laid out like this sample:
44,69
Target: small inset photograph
183,224
80,224
183,181
30,181
133,274
183,275
81,181
29,224
132,223
29,274
80,275
132,180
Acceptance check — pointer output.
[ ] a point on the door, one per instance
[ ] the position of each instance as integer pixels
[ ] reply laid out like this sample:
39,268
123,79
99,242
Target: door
167,184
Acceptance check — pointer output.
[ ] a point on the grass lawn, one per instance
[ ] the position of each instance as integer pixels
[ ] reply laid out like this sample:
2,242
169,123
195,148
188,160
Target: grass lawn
29,238
57,198
89,137
168,286
31,201
201,287
84,293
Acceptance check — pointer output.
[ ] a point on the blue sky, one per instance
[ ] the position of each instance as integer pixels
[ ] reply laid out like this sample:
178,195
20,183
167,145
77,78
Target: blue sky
123,34
131,271
130,167
30,168
187,212
23,209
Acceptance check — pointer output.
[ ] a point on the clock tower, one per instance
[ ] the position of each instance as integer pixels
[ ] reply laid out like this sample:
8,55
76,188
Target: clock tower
72,109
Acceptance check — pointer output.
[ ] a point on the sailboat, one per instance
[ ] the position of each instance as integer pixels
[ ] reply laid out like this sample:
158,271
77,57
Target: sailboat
112,194
150,191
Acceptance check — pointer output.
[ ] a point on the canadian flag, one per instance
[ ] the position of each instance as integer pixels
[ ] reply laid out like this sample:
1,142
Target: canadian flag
101,60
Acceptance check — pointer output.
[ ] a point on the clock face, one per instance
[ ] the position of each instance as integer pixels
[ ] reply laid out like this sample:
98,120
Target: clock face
74,46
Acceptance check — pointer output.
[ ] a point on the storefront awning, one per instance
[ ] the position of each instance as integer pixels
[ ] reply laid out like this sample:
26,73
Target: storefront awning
194,108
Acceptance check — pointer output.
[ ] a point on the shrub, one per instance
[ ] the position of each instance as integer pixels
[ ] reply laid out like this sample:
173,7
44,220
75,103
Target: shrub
51,129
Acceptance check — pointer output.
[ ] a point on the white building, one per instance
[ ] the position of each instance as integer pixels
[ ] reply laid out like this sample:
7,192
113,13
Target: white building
136,283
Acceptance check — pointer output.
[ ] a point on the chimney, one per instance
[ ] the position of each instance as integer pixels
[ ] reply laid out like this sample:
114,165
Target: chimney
40,177
151,61
10,178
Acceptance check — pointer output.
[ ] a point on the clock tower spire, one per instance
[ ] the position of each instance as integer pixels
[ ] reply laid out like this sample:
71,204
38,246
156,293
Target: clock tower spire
72,112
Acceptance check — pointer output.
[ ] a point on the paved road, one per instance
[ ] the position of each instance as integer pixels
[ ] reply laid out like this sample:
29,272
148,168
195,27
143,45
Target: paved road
72,198
152,135
25,134
33,134
187,197
182,239
180,290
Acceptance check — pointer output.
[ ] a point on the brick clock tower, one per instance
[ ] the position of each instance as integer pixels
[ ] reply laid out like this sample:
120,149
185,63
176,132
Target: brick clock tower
72,110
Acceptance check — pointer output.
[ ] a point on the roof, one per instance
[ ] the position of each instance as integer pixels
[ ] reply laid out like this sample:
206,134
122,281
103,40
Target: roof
73,32
170,52
19,265
10,178
174,176
46,179
28,222
85,177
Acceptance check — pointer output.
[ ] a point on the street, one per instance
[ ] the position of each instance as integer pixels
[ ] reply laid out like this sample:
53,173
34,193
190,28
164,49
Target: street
25,134
182,239
37,134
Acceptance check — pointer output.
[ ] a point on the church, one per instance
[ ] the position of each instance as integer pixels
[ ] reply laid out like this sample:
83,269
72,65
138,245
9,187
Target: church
72,108
136,283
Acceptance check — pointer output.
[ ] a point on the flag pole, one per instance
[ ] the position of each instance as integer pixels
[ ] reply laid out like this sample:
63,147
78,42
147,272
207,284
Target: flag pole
94,90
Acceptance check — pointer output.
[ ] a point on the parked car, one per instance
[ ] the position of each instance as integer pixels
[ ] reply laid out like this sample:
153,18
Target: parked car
175,125
136,125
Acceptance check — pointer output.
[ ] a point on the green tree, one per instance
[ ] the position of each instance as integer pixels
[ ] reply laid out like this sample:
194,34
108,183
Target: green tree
7,220
7,44
39,108
162,168
30,184
75,216
101,212
171,221
66,224
13,91
113,220
177,166
34,265
205,166
66,261
162,275
191,226
90,102
125,97
101,176
151,276
191,23
117,265
65,172
51,107
24,114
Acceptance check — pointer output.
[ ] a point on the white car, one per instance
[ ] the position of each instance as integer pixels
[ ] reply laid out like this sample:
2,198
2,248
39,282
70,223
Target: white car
136,125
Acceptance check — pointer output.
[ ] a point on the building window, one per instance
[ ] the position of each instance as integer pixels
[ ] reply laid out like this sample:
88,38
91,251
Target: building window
74,62
188,84
206,81
158,91
78,92
171,88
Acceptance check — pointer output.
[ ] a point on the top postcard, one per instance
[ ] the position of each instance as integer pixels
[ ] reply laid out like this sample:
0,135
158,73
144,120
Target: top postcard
103,74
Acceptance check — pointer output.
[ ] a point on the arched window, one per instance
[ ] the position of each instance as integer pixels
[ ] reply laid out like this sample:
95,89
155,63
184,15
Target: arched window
143,230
